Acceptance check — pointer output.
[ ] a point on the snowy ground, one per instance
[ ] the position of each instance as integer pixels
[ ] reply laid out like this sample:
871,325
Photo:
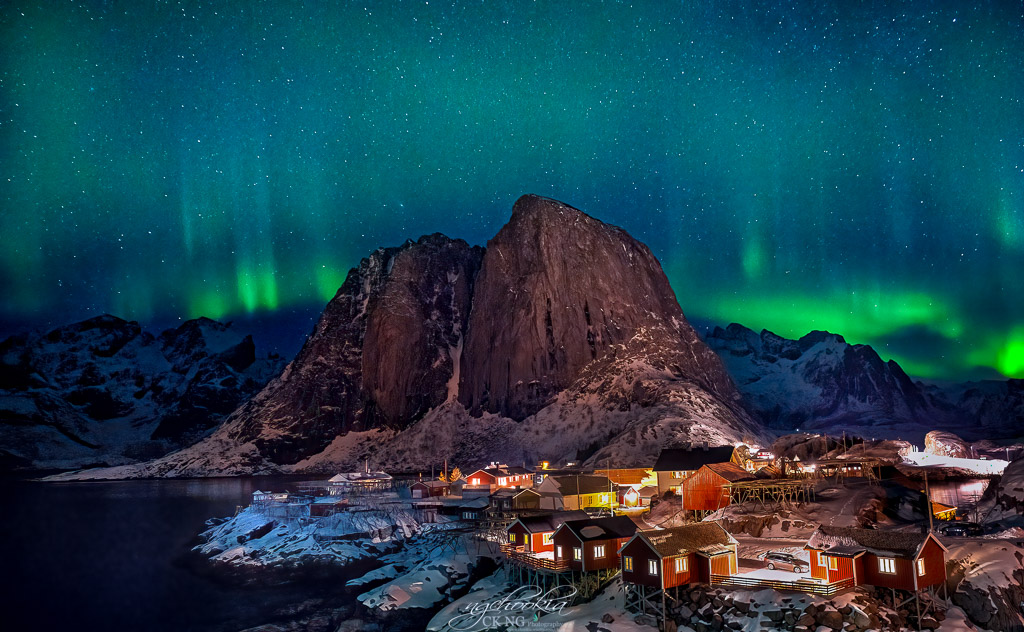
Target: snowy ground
981,467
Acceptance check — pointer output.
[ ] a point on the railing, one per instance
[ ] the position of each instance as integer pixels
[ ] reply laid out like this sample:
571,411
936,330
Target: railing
517,555
826,590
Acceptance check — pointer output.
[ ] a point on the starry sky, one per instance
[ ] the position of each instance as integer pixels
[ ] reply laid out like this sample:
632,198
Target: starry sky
857,168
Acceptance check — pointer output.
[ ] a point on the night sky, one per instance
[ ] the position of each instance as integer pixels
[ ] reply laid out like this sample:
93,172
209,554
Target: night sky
794,166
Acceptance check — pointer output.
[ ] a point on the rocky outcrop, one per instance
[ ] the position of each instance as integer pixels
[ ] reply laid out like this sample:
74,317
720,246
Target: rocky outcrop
382,353
104,390
557,289
942,443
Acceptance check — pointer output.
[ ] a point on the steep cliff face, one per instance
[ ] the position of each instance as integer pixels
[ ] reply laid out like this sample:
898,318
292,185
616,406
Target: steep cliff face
382,353
556,290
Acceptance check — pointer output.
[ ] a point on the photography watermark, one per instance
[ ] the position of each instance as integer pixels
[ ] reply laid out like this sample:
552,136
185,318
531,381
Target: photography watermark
520,609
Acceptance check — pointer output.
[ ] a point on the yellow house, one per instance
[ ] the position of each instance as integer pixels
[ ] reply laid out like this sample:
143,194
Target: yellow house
568,493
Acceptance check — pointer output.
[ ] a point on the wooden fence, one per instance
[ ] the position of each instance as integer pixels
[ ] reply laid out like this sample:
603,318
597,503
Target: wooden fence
825,590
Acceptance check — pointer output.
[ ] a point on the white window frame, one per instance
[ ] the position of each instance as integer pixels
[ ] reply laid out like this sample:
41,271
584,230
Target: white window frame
627,563
680,564
887,565
652,567
599,550
577,553
604,499
558,551
546,538
833,563
920,567
501,481
820,557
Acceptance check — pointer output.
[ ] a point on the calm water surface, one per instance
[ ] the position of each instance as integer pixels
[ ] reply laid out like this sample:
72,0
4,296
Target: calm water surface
109,556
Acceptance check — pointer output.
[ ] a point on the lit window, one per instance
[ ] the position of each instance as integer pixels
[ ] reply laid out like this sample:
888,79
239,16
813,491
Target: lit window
501,481
920,566
474,481
512,538
820,558
598,551
558,552
627,563
577,553
680,564
546,538
604,499
833,564
652,567
886,565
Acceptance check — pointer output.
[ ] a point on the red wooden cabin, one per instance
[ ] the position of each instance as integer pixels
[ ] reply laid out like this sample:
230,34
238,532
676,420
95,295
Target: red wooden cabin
498,476
533,534
890,559
706,491
674,465
667,558
592,544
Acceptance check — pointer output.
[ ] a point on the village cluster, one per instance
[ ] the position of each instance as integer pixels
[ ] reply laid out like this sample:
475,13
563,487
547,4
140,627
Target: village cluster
658,530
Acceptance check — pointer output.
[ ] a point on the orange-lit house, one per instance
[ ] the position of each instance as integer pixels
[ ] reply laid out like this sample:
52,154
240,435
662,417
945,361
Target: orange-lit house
706,490
497,476
674,465
667,558
870,557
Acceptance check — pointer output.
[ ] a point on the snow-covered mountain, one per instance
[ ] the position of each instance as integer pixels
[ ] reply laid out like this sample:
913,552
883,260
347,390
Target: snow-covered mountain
562,339
105,391
820,383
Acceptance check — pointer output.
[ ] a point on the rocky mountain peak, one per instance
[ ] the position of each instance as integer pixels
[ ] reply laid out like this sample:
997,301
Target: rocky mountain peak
557,288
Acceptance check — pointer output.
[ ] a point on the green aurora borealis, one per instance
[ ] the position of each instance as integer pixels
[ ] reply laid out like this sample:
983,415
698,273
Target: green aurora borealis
794,166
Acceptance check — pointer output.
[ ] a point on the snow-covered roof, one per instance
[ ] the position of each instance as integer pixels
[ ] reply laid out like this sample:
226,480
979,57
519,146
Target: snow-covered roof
601,528
846,540
359,477
690,459
703,537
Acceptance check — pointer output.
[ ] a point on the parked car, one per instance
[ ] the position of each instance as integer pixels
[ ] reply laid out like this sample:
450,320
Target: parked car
785,561
962,529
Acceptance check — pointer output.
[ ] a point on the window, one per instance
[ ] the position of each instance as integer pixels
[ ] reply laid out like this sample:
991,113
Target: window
468,515
833,563
819,557
627,563
512,538
598,551
558,552
652,567
604,499
546,539
886,565
577,553
920,566
474,481
680,564
501,481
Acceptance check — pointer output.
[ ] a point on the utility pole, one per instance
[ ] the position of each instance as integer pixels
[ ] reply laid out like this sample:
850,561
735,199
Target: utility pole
928,503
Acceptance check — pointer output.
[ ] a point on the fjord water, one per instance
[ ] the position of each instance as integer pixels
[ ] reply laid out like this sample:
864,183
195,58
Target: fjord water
110,556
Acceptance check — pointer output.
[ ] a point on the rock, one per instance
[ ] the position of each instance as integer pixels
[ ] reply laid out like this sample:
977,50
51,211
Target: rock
696,596
845,611
830,618
741,606
811,609
774,615
942,443
670,625
607,618
807,620
789,617
929,623
685,613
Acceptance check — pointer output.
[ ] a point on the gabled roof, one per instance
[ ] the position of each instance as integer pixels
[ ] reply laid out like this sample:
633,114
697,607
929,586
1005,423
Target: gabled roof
601,528
689,459
701,537
583,484
432,483
730,472
648,492
846,540
520,492
548,522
